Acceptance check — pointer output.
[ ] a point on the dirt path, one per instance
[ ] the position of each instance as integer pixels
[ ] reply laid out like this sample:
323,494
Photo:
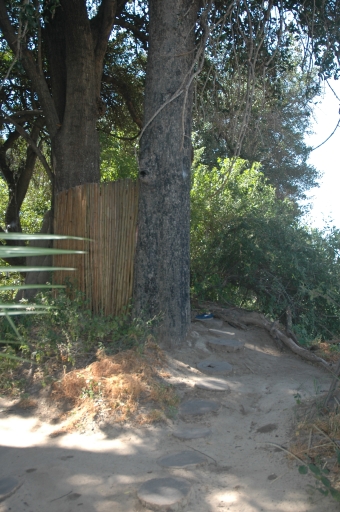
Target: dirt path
241,470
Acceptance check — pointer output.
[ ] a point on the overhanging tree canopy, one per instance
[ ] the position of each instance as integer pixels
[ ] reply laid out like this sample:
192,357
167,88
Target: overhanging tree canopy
62,49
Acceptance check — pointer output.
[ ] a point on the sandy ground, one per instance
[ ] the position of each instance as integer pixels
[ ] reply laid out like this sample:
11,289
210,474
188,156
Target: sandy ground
101,470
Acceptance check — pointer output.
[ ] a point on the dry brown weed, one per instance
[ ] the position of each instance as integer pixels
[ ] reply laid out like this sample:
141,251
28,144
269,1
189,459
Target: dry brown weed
27,403
315,436
117,385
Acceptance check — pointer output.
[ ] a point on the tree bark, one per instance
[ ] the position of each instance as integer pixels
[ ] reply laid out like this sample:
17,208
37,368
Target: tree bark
75,89
162,258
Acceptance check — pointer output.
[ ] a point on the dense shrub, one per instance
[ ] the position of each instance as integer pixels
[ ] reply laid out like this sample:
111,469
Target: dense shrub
251,249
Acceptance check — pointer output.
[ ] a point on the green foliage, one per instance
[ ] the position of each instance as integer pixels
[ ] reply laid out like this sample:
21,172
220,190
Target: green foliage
78,329
262,116
248,248
8,367
38,197
3,200
67,335
297,398
9,309
117,159
71,324
36,203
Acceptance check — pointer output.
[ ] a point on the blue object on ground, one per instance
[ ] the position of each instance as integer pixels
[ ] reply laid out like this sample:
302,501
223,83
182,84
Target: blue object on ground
205,316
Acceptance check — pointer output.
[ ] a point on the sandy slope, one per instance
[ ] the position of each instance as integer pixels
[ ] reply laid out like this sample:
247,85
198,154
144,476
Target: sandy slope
101,470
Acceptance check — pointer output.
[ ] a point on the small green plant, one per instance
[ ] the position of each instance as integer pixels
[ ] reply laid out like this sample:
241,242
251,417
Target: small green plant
317,386
319,474
8,367
12,332
297,398
67,335
91,390
8,309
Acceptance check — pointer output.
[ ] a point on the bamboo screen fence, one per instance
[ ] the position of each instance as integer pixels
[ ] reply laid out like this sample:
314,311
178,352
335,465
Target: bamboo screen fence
107,214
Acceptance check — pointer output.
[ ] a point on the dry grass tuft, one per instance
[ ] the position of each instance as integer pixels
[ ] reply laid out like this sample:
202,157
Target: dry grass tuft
105,368
115,386
327,350
27,403
154,416
70,386
330,424
315,439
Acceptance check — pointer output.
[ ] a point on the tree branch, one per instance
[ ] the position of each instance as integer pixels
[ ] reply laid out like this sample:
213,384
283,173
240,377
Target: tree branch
37,78
252,318
124,92
12,137
142,36
24,113
101,27
18,187
134,137
33,145
5,169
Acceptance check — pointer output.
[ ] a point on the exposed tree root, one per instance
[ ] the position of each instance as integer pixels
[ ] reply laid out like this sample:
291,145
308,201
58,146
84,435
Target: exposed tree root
241,318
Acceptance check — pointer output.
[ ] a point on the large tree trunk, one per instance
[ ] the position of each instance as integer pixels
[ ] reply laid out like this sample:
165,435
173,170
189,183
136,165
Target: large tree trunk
162,259
76,94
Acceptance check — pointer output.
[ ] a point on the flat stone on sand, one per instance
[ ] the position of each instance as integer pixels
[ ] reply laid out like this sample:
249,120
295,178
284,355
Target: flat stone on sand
182,459
218,332
8,486
164,493
224,345
212,384
198,407
191,433
215,367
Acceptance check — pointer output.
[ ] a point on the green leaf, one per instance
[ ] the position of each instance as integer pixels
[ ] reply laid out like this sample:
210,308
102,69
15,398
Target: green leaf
314,469
303,470
31,286
335,493
19,252
323,491
25,306
326,482
14,268
11,323
10,342
16,358
9,310
16,313
24,236
338,456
